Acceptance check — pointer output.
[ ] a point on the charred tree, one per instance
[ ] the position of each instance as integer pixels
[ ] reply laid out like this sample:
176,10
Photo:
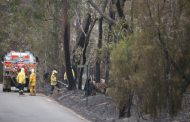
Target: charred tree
84,53
98,62
66,41
82,38
82,35
107,60
120,6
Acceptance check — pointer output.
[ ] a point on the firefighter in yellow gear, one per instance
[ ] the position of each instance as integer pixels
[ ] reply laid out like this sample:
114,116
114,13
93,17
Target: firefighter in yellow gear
21,80
65,76
32,83
53,80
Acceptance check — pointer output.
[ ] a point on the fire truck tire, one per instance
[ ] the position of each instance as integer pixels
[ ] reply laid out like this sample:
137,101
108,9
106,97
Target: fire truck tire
4,90
9,90
28,90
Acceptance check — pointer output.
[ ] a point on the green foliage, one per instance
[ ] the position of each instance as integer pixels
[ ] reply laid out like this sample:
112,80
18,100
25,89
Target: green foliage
102,52
153,61
123,64
137,64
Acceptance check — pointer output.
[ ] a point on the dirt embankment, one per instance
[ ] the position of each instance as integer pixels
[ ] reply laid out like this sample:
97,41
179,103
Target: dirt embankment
101,108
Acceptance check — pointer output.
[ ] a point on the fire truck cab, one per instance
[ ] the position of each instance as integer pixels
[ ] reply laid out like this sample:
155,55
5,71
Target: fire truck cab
12,63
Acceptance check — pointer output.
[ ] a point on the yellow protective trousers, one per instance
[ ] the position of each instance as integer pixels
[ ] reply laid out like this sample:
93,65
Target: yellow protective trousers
33,90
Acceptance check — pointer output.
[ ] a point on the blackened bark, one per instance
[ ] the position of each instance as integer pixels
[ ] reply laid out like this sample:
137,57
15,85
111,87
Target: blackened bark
82,44
120,5
81,38
66,37
129,104
84,52
82,69
98,71
98,62
126,108
67,59
100,32
86,25
122,111
112,15
99,46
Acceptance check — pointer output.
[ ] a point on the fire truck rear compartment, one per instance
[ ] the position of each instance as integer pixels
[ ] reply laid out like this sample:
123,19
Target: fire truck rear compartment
10,81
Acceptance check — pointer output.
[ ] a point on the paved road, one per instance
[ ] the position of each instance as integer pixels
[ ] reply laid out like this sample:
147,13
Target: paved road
15,108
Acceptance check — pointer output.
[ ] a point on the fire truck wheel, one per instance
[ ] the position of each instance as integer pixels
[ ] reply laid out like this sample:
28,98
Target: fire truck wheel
9,90
4,90
28,90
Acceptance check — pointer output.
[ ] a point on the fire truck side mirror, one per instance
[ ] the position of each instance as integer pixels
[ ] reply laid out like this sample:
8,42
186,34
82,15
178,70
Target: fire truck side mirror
37,59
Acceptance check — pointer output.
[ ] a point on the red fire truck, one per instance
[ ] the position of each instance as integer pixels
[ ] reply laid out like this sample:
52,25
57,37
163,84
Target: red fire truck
12,63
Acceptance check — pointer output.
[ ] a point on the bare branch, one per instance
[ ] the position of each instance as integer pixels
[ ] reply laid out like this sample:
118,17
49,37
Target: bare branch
80,25
108,19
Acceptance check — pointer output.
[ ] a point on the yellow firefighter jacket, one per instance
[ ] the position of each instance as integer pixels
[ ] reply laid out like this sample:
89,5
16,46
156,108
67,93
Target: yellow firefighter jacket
33,79
21,77
53,80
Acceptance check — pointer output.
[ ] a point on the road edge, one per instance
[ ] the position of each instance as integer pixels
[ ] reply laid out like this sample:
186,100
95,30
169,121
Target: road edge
64,107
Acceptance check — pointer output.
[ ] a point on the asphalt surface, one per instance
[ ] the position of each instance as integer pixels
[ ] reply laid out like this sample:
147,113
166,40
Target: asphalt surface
15,108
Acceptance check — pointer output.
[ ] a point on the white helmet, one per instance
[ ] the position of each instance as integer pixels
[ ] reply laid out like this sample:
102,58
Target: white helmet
54,71
22,69
32,70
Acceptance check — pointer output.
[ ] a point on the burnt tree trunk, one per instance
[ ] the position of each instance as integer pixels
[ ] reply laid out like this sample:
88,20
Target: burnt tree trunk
81,43
125,110
84,53
66,40
82,69
98,61
99,47
122,111
107,60
120,6
82,36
